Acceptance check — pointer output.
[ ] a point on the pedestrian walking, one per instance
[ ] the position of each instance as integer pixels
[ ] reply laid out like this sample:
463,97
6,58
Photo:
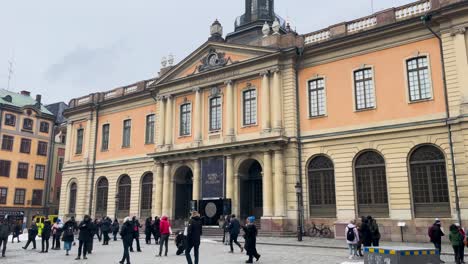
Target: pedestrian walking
16,232
463,242
366,233
106,228
374,229
352,238
32,234
115,229
127,239
435,234
456,240
4,233
227,220
46,232
250,237
194,232
148,224
155,229
68,236
136,234
165,230
84,237
98,223
234,231
93,231
56,234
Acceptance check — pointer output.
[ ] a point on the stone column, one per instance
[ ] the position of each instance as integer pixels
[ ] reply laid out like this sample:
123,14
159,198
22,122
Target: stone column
169,122
461,50
230,178
230,108
158,197
235,200
69,143
196,180
197,117
166,190
267,185
277,102
162,118
280,183
266,110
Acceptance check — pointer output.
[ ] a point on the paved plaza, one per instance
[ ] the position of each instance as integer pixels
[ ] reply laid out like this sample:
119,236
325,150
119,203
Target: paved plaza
211,252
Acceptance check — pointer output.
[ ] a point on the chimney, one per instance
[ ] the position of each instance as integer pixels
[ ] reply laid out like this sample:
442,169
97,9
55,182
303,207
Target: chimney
38,100
25,93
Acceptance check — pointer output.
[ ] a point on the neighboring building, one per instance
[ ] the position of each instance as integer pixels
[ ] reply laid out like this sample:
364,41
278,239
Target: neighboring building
58,157
354,116
26,132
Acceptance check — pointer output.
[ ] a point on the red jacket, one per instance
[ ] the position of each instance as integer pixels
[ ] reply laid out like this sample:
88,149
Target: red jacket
164,226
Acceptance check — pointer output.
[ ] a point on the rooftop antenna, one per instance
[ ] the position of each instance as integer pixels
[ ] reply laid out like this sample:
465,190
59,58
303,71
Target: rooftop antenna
10,71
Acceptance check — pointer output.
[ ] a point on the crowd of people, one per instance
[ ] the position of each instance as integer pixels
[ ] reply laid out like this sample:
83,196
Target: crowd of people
366,233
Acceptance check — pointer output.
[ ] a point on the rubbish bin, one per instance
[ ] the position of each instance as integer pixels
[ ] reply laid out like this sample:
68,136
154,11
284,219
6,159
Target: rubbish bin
401,255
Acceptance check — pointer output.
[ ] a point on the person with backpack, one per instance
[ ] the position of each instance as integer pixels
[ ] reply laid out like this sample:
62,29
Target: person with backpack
155,229
194,232
462,244
126,233
136,234
456,240
352,239
374,230
115,229
435,234
32,234
165,229
234,231
68,236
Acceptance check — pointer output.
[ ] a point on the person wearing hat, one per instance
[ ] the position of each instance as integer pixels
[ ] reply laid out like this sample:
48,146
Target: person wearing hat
250,237
435,234
194,232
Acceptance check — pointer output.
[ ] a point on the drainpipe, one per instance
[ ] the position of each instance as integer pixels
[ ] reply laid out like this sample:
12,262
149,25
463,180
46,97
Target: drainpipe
300,192
426,19
93,168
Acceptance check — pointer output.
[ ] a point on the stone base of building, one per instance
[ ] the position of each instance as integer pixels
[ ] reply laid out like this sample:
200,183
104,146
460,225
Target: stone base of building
277,224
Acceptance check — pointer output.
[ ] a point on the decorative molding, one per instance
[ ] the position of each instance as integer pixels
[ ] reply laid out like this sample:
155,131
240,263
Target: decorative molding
196,89
458,30
213,60
264,73
229,82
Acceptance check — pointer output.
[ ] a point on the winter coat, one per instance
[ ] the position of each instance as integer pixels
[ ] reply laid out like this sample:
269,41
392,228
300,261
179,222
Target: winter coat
436,234
85,230
136,228
115,227
250,239
126,232
456,239
356,234
68,228
47,230
234,227
365,233
164,226
155,226
93,228
374,229
148,227
4,230
57,229
106,226
17,230
194,231
32,232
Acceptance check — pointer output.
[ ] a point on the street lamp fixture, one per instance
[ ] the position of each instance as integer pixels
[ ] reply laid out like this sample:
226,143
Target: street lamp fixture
298,188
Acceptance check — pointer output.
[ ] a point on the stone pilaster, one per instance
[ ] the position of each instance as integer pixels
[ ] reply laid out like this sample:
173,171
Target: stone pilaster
166,190
196,180
280,183
230,109
266,110
277,101
162,118
197,117
229,177
267,185
169,122
158,197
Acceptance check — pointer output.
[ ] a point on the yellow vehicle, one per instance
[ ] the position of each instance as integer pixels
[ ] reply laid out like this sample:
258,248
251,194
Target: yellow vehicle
40,219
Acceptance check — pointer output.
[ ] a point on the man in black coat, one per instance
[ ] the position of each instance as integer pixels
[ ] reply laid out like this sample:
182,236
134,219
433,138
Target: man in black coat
136,234
4,233
106,228
194,232
45,236
155,229
84,237
93,231
32,234
366,233
126,233
436,234
115,229
234,231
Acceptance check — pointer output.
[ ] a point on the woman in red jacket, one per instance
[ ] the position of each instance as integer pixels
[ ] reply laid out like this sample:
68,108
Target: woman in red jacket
165,230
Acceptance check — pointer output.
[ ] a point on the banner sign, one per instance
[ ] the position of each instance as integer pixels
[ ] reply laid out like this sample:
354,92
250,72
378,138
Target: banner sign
212,178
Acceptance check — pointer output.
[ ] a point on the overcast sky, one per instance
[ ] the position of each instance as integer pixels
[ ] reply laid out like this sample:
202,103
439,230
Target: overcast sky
65,49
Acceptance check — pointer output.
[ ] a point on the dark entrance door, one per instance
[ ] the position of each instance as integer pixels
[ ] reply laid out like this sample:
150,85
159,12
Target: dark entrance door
183,193
251,190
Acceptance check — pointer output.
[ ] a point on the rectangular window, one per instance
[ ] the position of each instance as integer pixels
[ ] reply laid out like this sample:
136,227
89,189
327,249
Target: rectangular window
10,120
25,146
42,148
250,107
60,164
20,195
127,127
185,119
215,113
105,137
3,195
418,79
364,89
149,135
40,172
44,127
7,143
28,124
36,197
317,97
79,141
5,166
22,172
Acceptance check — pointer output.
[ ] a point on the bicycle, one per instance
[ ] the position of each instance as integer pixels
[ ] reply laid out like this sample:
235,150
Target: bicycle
320,231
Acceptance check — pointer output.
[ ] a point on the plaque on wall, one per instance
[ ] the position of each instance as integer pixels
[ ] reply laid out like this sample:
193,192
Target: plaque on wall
212,177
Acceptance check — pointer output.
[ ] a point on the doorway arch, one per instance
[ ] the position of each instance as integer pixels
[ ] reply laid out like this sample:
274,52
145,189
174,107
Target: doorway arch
183,189
251,189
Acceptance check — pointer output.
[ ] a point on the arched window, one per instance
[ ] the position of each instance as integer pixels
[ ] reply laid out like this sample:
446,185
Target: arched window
371,181
102,190
124,195
322,201
429,182
146,195
72,199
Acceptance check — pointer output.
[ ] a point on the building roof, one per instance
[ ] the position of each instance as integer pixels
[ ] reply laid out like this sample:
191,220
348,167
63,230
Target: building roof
19,100
57,109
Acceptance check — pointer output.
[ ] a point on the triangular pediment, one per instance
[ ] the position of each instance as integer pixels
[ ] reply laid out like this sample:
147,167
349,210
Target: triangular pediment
212,56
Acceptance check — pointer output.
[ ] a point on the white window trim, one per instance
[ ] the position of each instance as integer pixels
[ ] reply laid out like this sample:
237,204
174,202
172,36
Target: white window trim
405,72
154,125
243,125
220,130
316,77
76,141
123,127
180,119
102,138
374,85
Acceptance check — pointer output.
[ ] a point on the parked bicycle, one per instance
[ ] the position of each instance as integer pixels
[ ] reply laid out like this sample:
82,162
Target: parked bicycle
320,231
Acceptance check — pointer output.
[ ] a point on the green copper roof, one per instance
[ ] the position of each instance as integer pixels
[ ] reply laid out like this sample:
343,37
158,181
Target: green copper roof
20,100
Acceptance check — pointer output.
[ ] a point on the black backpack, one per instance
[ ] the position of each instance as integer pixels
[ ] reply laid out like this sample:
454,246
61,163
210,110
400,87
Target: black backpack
350,234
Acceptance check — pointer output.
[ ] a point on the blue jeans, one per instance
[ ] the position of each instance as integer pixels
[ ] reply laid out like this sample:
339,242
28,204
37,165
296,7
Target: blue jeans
352,249
438,246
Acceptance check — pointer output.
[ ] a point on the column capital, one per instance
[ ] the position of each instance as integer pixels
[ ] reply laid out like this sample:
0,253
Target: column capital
159,98
264,73
229,82
229,156
168,97
275,70
458,30
196,89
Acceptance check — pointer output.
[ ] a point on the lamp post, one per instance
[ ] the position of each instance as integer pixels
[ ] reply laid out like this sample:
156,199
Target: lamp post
299,211
116,205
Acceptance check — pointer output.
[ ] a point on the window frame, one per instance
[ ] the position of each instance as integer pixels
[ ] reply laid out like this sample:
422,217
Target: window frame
15,201
36,172
407,79
105,137
355,82
149,139
73,193
244,101
23,142
6,163
124,136
185,131
79,141
102,195
13,124
24,123
147,198
42,148
11,143
44,127
26,171
3,196
40,200
60,163
324,209
309,98
210,114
